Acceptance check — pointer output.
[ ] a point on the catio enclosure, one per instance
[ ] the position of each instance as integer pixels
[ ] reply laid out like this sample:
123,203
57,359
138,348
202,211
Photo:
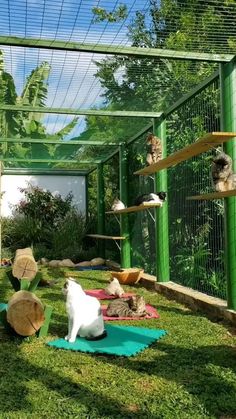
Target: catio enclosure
81,86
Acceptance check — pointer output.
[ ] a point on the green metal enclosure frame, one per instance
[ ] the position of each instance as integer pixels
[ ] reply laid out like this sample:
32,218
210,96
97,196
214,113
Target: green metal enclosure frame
228,122
228,114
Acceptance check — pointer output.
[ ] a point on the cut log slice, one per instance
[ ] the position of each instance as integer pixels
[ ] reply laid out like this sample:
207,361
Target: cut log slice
24,265
25,313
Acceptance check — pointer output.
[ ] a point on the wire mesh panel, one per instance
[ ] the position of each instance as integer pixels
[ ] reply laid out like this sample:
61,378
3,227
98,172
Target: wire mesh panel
196,227
142,224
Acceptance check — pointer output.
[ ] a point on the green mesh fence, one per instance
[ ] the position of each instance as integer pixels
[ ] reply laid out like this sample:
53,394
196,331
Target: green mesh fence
142,224
196,233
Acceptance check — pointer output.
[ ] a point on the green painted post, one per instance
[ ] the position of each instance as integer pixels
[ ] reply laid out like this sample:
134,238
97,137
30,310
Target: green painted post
44,329
161,214
100,208
228,123
86,199
124,221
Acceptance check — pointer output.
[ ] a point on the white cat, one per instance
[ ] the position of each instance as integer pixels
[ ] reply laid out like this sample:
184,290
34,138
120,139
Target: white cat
84,313
114,288
117,205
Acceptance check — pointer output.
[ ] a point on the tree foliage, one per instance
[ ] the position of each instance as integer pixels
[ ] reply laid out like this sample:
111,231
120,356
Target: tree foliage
22,124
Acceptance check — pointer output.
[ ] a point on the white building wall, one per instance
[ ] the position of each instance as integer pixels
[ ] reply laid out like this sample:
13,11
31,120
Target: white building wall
56,184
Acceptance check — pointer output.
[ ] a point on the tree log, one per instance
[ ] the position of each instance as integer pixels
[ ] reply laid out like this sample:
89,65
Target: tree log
25,313
24,265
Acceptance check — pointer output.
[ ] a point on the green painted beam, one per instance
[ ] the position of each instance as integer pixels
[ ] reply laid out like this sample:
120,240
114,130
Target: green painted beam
116,151
143,131
228,123
113,49
52,172
101,208
124,220
147,128
68,111
12,160
195,91
161,214
59,142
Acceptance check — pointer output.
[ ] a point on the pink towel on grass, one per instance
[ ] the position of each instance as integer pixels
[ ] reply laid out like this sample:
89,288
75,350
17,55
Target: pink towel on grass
101,295
151,314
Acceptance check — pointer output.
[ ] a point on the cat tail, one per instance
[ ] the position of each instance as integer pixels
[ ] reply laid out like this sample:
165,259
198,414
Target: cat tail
102,336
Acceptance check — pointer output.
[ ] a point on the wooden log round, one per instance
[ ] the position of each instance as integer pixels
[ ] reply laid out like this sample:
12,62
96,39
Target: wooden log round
24,265
25,313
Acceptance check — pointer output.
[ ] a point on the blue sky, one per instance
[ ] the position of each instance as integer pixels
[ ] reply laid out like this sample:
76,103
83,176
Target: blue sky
71,82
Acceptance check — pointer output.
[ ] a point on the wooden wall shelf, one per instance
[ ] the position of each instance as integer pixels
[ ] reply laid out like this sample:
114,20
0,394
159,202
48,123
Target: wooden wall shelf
135,208
200,146
100,236
213,195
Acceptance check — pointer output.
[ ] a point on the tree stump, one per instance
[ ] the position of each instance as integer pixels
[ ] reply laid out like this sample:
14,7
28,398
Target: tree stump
24,265
25,313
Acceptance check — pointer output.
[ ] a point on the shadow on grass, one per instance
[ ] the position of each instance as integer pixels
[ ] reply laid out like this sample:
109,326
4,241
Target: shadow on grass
16,372
52,296
203,372
181,311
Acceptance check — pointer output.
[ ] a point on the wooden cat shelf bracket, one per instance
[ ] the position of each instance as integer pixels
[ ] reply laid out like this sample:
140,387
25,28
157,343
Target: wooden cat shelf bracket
212,195
202,145
115,238
135,208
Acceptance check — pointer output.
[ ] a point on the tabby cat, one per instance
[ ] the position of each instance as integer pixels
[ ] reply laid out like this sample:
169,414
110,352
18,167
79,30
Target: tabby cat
129,307
223,178
154,149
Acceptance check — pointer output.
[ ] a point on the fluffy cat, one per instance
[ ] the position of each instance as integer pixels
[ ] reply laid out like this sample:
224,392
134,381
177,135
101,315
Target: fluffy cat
154,149
117,205
114,288
131,307
84,313
158,198
223,178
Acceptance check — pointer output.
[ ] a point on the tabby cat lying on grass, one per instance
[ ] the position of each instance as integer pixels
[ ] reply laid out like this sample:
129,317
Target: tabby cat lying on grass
127,307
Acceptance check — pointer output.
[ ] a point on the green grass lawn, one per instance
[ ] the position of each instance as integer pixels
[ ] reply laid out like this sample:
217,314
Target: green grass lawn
189,373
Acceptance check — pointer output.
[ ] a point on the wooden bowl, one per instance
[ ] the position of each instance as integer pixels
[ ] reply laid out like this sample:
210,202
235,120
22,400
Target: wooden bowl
128,276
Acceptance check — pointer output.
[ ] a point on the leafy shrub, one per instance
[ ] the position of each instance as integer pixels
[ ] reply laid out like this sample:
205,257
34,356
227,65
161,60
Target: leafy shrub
43,205
48,223
67,237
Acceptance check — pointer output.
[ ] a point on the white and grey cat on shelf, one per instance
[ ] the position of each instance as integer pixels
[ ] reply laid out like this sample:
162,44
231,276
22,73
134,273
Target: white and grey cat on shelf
85,317
151,198
117,205
223,178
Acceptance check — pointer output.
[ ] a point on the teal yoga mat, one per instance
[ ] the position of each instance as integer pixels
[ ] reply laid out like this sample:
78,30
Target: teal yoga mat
120,341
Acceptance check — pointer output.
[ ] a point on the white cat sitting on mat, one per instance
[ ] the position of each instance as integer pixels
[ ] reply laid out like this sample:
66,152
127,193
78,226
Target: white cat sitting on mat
84,313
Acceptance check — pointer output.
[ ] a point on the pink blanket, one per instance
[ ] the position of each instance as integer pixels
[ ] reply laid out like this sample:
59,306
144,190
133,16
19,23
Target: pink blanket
101,295
151,314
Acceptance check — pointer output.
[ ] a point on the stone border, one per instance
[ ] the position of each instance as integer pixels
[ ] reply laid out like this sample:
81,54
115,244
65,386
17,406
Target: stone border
215,308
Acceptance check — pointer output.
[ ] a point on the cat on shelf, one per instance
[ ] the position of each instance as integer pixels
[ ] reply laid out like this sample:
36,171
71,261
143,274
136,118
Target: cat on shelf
127,307
223,178
114,288
151,198
84,313
154,149
117,205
